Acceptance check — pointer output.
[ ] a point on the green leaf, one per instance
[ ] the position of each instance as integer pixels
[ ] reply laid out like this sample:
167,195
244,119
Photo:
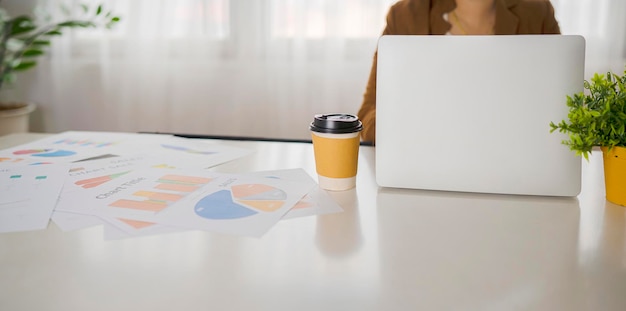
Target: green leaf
32,53
597,117
53,33
82,24
24,65
21,25
586,155
41,42
24,40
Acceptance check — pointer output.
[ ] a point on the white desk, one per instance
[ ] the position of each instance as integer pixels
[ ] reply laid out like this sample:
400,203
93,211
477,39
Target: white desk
389,250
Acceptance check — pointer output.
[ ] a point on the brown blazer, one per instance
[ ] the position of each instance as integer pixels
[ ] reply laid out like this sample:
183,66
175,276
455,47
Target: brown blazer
425,17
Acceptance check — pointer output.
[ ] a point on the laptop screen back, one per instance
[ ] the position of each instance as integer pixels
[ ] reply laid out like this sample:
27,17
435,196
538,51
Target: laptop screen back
472,113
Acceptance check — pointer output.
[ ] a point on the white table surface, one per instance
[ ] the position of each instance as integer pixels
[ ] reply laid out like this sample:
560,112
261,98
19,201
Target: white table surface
389,250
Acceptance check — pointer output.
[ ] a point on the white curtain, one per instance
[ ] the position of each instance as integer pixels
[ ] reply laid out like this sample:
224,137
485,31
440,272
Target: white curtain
217,67
258,68
603,24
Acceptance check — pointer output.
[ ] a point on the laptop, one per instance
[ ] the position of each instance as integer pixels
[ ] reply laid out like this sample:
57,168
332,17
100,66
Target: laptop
472,113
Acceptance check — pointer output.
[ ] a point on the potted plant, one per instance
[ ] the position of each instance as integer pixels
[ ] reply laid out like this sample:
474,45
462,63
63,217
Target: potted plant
597,118
23,39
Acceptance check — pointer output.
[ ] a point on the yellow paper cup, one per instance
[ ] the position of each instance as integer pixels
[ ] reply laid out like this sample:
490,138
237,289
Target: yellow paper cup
615,174
336,147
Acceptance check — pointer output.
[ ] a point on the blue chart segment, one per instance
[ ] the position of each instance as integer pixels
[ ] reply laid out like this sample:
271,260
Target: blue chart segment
58,153
242,201
220,205
46,153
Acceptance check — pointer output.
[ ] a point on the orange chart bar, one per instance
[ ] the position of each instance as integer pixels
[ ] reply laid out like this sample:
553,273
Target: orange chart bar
185,179
160,196
140,205
93,182
176,187
264,205
240,191
136,223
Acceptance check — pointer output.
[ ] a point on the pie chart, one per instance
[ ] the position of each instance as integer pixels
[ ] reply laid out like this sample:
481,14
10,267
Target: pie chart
240,201
46,153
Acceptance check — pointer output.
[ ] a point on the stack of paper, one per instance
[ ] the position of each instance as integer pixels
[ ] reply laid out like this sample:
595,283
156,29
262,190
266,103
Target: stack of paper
143,184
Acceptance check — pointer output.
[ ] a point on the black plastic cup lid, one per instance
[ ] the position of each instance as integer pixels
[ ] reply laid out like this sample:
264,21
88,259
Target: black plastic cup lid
336,123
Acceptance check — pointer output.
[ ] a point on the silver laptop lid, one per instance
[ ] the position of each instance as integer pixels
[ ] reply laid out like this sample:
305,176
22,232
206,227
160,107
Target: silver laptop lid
472,113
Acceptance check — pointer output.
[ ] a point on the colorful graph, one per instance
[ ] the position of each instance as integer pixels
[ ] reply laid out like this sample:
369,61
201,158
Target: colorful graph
165,166
181,183
45,153
177,186
185,149
31,151
242,201
38,177
11,160
136,223
97,181
16,160
84,143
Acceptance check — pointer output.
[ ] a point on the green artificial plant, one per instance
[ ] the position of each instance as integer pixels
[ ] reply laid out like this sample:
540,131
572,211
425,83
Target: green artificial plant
24,38
596,117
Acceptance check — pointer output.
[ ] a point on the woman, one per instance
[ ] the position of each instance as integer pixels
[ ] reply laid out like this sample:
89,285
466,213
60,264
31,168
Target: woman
457,17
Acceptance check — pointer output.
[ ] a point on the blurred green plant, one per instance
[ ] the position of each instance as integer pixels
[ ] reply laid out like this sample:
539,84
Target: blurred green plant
598,117
24,38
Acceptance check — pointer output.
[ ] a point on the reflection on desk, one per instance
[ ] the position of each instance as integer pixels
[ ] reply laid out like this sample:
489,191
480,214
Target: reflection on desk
490,252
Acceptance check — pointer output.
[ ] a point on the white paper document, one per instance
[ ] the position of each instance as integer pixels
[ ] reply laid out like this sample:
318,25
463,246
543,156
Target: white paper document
191,199
146,184
28,195
79,146
72,221
316,202
238,205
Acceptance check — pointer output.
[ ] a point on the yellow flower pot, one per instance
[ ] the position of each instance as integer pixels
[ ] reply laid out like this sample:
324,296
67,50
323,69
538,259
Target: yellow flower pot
615,174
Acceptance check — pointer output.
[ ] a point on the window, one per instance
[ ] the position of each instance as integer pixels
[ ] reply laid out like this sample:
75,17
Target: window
319,19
